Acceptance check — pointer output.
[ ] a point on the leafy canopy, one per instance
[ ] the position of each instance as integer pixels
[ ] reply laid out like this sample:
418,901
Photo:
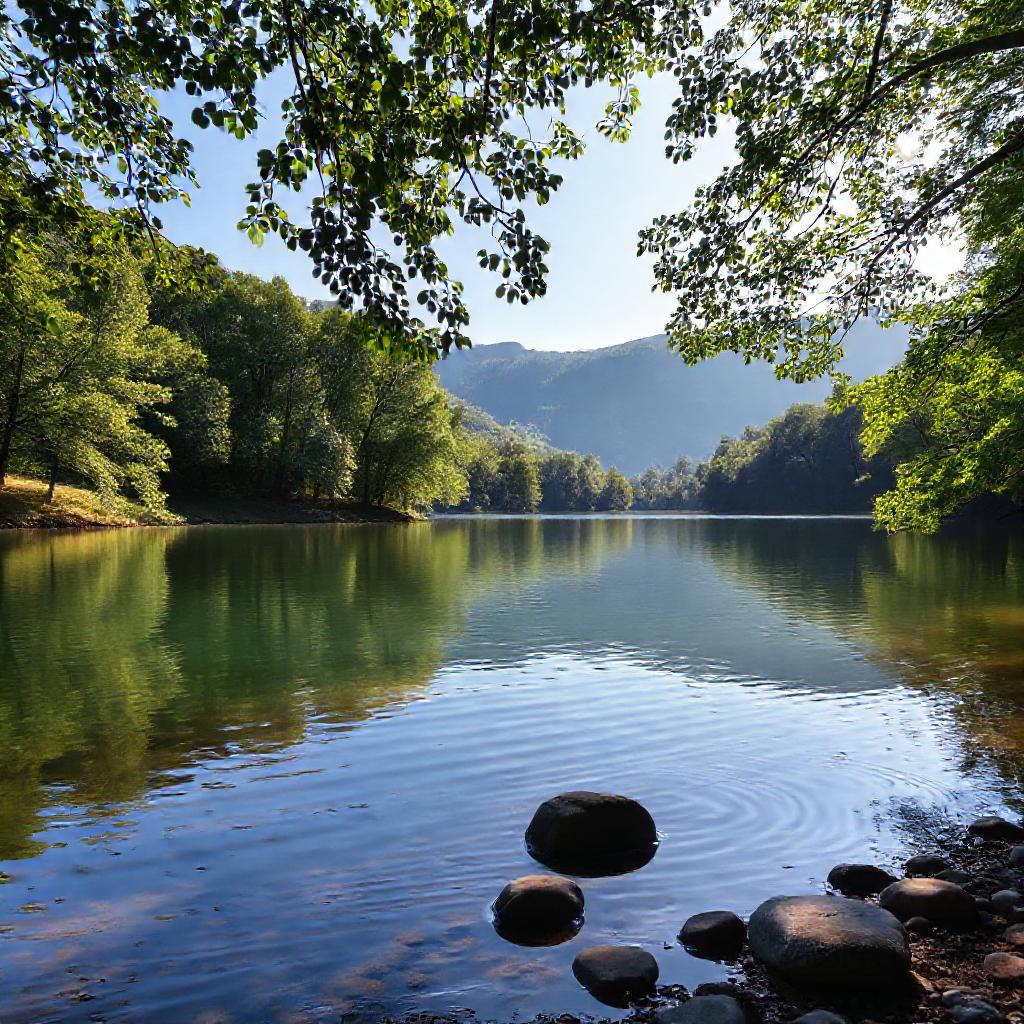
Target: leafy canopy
403,118
864,130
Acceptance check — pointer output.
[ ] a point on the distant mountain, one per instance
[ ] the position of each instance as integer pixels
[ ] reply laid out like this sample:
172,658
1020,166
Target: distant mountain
637,404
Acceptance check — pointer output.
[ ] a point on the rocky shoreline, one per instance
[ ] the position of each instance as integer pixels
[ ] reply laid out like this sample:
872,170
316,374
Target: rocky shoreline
943,943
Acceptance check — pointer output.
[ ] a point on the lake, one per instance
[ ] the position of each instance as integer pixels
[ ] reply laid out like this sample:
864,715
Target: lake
279,773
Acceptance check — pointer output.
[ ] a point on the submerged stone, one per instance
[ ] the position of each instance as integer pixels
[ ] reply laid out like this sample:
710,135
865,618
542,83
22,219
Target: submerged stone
825,940
538,910
585,833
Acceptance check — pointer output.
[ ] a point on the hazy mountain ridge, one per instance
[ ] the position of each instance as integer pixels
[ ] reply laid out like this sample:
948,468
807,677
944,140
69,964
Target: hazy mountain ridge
638,403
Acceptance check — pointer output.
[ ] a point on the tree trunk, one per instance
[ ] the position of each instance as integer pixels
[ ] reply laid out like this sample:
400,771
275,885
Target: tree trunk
54,466
7,436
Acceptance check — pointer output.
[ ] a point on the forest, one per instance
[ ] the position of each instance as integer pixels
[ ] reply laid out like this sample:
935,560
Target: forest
860,134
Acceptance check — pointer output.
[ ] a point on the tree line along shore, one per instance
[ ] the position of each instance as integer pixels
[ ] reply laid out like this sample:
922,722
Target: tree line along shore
159,388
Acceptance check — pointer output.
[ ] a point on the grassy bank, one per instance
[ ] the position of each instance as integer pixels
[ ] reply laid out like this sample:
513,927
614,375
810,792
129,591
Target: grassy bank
24,505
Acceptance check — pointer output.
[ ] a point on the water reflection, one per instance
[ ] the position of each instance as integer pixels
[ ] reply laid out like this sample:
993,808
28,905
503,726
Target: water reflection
279,773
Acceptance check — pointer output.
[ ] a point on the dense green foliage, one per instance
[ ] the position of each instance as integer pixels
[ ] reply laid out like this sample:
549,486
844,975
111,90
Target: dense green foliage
807,460
862,131
402,118
114,375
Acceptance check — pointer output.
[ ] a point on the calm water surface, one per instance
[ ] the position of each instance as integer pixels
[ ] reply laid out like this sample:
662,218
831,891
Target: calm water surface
278,773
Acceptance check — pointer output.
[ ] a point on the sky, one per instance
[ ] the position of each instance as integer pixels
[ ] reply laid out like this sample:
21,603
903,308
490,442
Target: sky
599,291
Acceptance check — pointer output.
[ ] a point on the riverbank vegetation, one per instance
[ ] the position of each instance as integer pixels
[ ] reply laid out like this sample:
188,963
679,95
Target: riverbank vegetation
862,132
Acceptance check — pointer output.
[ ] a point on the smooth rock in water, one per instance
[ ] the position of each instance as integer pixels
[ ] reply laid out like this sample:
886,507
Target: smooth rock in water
966,1007
830,941
919,925
1006,901
926,865
716,934
1017,856
537,909
943,903
615,974
859,879
703,1010
956,876
1014,935
992,827
592,834
1005,967
820,1017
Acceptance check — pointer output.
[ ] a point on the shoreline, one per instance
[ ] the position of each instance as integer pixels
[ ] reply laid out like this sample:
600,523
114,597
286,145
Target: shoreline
949,981
23,506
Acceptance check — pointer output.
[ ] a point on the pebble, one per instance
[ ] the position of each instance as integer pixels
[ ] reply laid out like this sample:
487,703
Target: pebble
703,1010
1014,935
820,1017
919,925
1005,967
1006,901
992,828
1017,856
926,865
966,1007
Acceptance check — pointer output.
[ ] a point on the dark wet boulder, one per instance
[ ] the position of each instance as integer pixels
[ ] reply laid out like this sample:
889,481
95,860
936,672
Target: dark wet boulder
925,865
966,1007
592,834
1006,901
704,1010
943,903
859,879
1007,968
538,910
828,940
616,974
992,828
1017,856
820,1017
714,935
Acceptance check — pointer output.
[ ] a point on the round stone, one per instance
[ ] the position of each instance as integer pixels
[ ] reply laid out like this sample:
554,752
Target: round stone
829,940
538,910
966,1007
616,974
919,925
592,834
925,865
820,1017
943,903
859,879
1017,856
715,935
1007,968
1006,901
993,828
1014,935
703,1010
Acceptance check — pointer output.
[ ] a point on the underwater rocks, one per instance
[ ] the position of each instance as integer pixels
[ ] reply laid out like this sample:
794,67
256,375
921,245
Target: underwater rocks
538,910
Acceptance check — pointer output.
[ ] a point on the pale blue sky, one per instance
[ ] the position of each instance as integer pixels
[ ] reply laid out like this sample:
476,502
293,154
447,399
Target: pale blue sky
598,290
